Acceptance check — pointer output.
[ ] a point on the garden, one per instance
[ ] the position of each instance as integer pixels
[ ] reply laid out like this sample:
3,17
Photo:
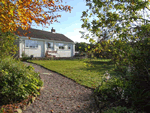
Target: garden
118,86
121,83
83,71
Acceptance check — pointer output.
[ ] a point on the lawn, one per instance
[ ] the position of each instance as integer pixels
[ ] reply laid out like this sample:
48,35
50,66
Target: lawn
78,69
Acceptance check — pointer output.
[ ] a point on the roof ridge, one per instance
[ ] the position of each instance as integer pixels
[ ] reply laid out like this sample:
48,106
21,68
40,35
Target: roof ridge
36,33
45,31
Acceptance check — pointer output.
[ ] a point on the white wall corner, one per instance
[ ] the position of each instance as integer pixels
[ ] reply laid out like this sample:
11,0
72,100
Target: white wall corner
20,48
73,49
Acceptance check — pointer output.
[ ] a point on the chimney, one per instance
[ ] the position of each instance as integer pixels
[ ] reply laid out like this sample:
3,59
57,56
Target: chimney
52,30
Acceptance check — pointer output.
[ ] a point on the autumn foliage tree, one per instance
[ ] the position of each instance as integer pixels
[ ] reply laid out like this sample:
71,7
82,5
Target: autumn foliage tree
22,13
19,81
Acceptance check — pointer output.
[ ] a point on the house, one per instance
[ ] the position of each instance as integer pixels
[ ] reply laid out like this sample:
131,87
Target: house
41,43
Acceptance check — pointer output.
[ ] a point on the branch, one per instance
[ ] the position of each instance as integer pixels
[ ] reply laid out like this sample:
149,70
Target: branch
147,8
144,19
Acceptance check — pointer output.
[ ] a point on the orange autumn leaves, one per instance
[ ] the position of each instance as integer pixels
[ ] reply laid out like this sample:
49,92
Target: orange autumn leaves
22,13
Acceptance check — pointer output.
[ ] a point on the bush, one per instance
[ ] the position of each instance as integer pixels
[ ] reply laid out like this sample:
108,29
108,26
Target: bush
7,44
119,109
18,81
132,78
25,56
139,62
111,91
115,92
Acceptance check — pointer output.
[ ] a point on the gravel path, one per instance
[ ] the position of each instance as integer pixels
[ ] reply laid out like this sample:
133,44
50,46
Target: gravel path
61,95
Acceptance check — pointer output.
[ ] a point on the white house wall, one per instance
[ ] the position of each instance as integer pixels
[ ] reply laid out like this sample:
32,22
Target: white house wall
73,50
36,52
20,48
42,48
63,52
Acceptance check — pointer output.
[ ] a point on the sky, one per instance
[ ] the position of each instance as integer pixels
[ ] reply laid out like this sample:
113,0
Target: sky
70,23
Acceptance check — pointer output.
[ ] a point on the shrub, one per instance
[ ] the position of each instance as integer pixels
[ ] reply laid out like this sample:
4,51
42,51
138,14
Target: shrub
119,109
25,56
111,91
139,62
132,78
18,81
7,44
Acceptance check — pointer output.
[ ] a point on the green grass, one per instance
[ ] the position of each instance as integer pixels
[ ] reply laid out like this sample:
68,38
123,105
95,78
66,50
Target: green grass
78,71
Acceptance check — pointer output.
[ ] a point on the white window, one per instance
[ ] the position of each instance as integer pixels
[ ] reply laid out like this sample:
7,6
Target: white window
31,44
69,46
49,45
61,46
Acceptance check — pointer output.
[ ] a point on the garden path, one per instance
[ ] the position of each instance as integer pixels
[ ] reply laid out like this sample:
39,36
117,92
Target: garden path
61,95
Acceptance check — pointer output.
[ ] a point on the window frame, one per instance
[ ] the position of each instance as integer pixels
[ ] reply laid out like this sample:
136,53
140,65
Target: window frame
48,45
28,44
51,45
61,46
69,47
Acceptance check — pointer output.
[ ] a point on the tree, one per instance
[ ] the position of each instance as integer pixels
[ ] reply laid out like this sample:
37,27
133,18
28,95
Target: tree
13,73
80,46
128,41
7,41
115,17
22,13
83,48
116,21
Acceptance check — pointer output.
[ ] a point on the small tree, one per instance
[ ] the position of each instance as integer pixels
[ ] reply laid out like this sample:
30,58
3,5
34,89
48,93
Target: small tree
80,46
7,46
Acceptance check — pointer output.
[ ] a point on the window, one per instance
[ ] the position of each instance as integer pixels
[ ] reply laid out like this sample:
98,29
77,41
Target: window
31,44
69,46
61,46
49,45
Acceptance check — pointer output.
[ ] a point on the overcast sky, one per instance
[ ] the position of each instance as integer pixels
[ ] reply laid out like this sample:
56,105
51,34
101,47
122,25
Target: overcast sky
70,23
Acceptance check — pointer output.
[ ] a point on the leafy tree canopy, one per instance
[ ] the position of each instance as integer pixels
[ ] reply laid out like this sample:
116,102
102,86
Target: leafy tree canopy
121,19
123,29
83,47
80,46
22,13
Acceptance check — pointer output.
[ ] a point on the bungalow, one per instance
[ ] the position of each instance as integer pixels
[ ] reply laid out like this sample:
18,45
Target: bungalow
41,43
